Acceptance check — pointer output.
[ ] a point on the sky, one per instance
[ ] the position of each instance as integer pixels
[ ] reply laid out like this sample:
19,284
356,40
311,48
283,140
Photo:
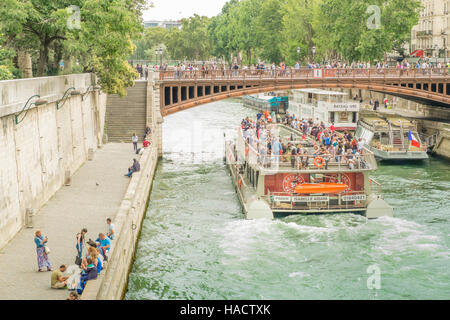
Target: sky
177,9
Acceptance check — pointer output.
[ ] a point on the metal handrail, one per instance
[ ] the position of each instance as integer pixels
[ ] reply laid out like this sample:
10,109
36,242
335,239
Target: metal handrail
27,107
304,73
64,98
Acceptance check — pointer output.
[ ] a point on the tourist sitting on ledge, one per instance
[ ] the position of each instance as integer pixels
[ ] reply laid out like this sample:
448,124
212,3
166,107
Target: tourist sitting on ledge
57,279
134,168
89,273
147,132
103,245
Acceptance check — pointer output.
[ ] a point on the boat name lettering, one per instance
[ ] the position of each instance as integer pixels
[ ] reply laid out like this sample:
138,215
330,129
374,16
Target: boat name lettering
310,199
282,198
355,197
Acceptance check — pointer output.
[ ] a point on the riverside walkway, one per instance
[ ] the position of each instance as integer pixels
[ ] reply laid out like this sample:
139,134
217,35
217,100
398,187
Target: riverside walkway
82,204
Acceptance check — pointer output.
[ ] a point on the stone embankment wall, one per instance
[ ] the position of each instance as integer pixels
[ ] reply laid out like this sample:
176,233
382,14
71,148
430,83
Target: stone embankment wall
37,154
112,282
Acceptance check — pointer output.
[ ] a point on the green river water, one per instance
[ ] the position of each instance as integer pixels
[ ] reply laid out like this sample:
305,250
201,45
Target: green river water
196,244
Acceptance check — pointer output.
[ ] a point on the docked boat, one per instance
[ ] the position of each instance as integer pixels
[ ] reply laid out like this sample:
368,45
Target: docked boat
271,185
329,107
391,138
272,103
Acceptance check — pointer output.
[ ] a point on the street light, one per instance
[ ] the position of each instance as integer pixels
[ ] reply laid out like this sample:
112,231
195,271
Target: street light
298,54
314,53
160,52
444,37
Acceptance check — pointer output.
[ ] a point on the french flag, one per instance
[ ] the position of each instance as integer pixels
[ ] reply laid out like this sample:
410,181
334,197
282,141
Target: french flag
414,141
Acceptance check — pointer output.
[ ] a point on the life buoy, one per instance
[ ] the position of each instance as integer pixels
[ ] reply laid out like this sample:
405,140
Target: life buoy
319,162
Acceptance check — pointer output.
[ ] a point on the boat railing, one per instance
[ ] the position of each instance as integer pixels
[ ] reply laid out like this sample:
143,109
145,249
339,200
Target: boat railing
347,200
302,162
375,186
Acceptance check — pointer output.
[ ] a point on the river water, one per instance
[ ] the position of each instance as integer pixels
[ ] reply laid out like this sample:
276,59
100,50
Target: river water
196,244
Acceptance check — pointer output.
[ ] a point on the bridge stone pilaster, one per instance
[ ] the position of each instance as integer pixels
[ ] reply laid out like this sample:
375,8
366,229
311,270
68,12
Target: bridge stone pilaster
155,121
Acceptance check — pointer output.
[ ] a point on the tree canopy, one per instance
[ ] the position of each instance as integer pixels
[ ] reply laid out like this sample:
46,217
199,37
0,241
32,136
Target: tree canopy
101,42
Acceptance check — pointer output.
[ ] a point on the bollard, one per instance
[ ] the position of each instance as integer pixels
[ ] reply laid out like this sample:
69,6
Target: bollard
67,178
29,217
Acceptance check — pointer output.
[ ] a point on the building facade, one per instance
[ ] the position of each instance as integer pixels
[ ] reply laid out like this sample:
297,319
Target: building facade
432,33
163,24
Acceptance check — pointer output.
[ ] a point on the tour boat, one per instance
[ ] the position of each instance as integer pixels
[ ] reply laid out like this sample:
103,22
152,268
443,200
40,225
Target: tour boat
260,102
391,138
330,107
273,185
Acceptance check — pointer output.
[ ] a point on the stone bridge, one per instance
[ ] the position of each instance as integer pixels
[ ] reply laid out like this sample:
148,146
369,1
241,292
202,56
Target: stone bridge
187,89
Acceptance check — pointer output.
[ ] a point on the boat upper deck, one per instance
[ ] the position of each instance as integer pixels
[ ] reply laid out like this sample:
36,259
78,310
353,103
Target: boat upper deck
382,124
307,158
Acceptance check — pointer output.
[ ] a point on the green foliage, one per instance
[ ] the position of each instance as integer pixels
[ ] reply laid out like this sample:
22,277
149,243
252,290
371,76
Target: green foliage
145,47
102,45
191,41
5,73
343,27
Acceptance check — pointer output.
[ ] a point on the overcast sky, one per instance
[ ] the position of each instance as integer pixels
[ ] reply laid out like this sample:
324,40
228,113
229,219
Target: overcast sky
177,9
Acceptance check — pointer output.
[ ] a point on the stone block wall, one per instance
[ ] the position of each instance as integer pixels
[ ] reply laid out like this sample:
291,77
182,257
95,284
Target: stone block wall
36,153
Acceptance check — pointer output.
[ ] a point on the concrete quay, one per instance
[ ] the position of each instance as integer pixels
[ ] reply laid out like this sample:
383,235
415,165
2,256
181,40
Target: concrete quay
82,204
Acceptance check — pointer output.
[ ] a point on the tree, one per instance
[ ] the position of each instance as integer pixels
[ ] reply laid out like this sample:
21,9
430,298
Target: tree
191,41
269,26
346,26
298,28
101,44
152,38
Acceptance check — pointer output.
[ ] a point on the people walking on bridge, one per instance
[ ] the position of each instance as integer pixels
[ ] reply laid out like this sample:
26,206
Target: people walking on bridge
134,139
41,251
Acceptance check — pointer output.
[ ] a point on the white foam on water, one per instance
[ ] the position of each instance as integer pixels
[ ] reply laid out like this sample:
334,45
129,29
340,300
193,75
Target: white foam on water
403,236
240,236
299,274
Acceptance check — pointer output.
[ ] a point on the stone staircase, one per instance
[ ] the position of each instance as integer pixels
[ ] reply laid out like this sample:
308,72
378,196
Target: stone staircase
127,115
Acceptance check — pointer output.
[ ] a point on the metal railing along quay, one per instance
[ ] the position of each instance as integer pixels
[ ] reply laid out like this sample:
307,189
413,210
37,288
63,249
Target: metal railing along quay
304,73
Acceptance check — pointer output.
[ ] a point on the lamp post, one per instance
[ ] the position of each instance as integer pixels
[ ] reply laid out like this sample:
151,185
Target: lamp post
160,52
314,53
298,54
444,38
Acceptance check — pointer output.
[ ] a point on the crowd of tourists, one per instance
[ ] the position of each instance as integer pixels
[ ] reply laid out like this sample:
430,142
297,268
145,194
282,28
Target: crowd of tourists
91,256
263,137
90,260
283,69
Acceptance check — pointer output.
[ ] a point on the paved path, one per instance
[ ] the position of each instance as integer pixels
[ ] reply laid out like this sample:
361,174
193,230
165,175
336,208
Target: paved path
83,204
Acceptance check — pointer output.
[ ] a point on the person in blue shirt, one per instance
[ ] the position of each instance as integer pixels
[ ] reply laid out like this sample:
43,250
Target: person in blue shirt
277,147
104,244
259,115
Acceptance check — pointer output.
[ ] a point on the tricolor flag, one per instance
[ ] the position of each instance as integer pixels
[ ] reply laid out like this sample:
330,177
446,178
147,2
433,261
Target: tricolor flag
414,141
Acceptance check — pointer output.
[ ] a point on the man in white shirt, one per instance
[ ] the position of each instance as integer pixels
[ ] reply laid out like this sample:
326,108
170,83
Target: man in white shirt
134,139
111,229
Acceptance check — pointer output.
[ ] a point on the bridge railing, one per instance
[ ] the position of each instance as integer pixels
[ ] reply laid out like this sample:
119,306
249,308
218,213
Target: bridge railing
302,73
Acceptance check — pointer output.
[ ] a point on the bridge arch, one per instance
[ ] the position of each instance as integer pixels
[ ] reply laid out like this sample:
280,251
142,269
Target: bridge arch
405,92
